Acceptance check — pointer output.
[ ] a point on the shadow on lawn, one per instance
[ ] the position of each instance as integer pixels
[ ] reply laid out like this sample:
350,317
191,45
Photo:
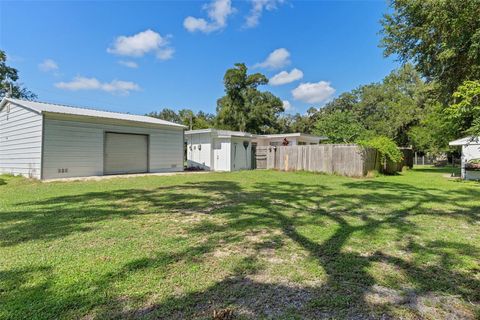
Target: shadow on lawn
432,169
283,206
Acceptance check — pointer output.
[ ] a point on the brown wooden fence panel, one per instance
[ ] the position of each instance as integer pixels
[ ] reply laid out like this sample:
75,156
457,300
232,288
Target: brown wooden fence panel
343,159
261,157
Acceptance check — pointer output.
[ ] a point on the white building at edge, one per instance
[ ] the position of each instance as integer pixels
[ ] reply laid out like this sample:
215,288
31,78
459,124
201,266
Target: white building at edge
470,151
224,150
290,139
219,150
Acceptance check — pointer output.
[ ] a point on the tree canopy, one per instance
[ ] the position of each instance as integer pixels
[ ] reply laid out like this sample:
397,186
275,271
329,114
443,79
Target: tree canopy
465,111
340,126
9,80
244,107
442,39
187,117
389,108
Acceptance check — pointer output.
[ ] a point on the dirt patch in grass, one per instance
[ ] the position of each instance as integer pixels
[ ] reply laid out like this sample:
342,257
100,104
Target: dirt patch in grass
425,306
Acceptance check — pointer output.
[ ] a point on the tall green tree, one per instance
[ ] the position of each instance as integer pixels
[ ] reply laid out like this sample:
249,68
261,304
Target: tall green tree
433,131
166,114
244,107
392,107
9,81
441,37
388,108
465,111
340,126
187,117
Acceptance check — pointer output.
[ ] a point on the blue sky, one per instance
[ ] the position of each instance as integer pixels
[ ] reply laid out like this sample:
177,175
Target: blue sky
142,56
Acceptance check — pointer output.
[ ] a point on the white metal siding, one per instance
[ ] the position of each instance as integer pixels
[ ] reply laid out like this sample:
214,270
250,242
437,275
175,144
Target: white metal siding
469,152
78,147
221,154
125,153
20,141
199,151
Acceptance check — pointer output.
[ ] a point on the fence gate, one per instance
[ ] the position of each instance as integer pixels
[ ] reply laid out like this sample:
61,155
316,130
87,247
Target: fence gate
261,157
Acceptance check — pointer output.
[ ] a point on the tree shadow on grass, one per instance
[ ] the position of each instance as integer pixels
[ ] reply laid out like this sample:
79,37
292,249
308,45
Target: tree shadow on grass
436,170
59,217
285,207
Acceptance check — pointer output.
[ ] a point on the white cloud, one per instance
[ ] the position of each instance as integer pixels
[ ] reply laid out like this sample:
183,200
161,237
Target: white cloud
48,65
218,12
258,6
287,105
128,64
285,77
276,59
142,43
165,54
83,83
313,92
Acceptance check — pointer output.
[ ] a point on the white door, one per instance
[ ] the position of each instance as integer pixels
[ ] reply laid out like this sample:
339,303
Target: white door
125,153
241,154
221,154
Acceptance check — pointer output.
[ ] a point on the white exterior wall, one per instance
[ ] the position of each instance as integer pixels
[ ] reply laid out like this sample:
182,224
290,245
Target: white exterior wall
218,153
222,154
293,141
469,152
20,141
199,151
78,146
241,157
265,142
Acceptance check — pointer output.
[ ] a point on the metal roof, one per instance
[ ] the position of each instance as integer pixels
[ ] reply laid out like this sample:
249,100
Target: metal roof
221,133
42,107
465,141
228,133
286,135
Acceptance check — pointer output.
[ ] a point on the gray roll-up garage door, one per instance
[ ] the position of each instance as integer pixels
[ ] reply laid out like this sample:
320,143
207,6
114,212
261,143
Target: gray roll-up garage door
125,153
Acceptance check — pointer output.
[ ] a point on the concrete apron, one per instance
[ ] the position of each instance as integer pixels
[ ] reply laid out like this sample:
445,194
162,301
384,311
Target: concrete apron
114,176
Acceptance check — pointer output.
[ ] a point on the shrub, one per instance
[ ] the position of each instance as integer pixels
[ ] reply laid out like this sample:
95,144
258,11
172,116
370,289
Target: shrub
386,147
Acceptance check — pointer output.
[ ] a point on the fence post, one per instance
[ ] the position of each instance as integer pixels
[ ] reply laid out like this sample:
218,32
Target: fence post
423,160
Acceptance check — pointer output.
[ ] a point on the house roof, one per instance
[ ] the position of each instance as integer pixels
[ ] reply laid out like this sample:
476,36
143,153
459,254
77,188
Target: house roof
289,135
221,133
465,141
42,107
229,133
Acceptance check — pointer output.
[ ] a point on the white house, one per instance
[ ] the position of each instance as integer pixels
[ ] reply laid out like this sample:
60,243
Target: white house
219,150
46,141
290,139
470,151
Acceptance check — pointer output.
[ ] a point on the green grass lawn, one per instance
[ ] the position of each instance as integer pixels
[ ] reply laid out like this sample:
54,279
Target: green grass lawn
262,244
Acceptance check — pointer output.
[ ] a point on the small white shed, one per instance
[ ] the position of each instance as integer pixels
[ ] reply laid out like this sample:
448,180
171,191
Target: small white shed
290,139
470,151
47,141
219,150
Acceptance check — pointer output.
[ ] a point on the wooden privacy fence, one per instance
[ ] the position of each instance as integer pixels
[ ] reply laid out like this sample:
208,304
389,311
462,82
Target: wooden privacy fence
344,159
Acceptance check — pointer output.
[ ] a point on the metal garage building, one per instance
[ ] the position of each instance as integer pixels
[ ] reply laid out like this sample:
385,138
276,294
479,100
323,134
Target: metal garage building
47,141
